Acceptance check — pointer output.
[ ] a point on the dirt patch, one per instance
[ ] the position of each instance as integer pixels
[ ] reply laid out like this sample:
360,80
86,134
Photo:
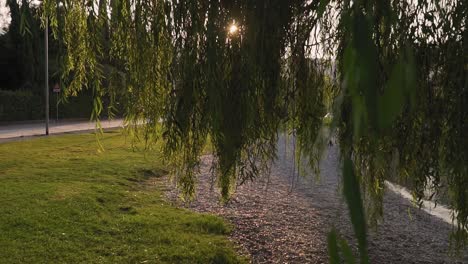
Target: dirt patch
128,210
150,173
144,175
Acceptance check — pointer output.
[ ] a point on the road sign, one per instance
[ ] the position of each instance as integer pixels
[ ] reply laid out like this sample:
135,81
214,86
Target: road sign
56,88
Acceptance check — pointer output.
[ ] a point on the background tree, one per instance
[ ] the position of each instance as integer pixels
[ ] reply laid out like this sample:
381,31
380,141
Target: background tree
22,48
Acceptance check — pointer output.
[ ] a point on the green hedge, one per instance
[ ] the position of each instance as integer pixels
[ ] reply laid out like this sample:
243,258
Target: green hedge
24,105
19,105
74,107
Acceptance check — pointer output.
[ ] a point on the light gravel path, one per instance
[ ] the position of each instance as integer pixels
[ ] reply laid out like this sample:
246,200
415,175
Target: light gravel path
274,225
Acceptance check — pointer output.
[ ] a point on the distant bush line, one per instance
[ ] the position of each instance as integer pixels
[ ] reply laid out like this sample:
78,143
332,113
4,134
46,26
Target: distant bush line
23,105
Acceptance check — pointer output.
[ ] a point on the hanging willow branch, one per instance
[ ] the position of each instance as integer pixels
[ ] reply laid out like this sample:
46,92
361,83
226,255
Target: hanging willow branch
395,73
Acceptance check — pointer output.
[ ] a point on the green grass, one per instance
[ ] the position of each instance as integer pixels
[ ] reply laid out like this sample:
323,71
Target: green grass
64,202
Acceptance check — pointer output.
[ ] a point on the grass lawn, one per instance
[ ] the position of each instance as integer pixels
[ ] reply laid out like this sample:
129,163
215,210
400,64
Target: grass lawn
63,202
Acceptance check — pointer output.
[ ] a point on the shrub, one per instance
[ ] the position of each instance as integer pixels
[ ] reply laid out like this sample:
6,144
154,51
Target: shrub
20,105
25,105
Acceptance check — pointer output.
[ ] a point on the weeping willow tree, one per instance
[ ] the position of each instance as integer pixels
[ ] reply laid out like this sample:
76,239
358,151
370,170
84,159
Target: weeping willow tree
393,72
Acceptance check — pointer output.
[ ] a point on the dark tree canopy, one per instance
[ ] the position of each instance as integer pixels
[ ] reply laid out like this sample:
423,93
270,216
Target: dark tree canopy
21,49
394,73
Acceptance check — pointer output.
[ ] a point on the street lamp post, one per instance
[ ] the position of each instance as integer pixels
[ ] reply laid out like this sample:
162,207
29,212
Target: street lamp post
46,88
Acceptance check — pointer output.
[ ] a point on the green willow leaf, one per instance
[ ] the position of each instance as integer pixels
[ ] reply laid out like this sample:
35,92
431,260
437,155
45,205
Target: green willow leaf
347,252
352,194
322,7
400,87
333,253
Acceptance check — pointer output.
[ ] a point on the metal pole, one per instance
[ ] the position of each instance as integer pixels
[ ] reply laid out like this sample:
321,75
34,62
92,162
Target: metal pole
56,98
46,88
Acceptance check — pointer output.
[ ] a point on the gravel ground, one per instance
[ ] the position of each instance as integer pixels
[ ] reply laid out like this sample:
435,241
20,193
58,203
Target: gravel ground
275,222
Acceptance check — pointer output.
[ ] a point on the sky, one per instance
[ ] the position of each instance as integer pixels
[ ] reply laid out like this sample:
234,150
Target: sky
4,15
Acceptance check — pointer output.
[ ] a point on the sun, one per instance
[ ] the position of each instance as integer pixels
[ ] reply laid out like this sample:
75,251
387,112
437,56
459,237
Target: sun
233,28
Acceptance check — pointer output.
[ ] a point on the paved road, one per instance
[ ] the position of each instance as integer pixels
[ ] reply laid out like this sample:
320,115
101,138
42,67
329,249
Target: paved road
9,132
